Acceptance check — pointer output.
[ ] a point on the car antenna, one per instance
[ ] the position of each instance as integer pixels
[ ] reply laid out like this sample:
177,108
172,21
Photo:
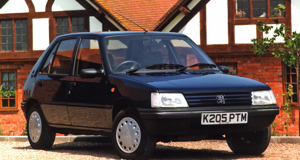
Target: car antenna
146,31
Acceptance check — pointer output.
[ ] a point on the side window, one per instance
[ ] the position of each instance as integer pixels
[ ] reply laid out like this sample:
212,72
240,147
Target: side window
88,55
62,58
47,64
59,58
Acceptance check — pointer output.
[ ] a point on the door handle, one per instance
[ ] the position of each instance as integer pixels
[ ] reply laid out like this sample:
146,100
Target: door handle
72,84
40,83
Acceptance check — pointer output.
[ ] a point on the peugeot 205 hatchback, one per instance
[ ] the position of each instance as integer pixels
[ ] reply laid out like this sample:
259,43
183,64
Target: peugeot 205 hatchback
141,88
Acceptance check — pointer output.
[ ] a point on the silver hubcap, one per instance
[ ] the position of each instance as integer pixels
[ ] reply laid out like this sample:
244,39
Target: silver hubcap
128,135
35,126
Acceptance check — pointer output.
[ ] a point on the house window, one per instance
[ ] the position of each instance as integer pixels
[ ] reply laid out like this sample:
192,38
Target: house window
13,35
257,8
291,77
21,35
77,24
274,4
8,82
243,9
63,27
6,35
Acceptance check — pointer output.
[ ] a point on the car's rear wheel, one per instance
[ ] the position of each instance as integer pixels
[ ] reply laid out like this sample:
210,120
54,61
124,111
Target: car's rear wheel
40,135
130,138
249,143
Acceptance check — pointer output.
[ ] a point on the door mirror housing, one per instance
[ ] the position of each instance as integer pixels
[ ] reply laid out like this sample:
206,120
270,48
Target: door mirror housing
91,73
224,69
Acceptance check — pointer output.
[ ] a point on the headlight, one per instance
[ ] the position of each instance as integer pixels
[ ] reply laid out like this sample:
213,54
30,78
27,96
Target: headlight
263,97
168,100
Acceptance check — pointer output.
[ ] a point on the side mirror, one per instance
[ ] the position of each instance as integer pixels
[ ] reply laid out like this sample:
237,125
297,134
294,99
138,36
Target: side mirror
91,73
224,69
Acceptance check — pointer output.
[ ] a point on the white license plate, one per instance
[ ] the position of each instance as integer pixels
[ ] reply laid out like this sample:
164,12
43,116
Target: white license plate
224,118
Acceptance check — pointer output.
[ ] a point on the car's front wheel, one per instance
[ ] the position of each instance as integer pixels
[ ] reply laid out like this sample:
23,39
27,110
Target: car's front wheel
249,143
130,138
40,135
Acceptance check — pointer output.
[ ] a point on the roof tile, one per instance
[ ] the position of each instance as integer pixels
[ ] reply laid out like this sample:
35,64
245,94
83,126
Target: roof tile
145,13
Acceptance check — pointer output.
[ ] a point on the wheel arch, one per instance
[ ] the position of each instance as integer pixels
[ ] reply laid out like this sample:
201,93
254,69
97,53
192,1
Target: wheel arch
146,143
29,104
122,104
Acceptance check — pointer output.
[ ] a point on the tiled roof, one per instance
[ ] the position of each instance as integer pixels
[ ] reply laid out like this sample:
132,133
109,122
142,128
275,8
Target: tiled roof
145,13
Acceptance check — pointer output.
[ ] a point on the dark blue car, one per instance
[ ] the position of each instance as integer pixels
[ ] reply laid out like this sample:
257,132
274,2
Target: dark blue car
141,88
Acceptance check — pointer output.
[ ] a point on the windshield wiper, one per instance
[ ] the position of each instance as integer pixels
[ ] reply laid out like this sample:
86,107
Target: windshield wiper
133,70
165,66
199,65
158,66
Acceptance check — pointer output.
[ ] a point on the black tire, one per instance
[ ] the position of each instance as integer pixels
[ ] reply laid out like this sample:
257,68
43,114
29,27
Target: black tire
39,134
249,143
143,144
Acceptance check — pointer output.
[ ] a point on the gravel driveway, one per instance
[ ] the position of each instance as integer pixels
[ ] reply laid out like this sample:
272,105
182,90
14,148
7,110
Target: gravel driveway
174,150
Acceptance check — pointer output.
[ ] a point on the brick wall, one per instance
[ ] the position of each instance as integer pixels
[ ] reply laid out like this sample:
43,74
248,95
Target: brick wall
269,71
13,122
265,69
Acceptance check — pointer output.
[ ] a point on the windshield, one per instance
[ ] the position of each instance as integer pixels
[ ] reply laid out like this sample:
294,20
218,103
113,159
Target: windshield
152,53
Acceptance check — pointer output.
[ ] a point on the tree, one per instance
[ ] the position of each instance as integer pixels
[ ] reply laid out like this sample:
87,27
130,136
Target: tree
288,51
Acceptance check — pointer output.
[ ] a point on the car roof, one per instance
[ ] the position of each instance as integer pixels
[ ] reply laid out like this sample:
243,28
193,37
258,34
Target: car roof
121,33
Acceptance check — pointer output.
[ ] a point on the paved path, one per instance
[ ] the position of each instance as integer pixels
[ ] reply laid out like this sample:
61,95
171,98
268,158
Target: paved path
11,150
274,139
90,148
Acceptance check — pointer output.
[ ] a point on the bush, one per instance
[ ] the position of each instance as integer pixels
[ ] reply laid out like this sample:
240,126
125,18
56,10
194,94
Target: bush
1,131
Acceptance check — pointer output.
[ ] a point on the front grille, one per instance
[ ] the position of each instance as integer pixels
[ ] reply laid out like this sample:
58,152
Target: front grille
231,99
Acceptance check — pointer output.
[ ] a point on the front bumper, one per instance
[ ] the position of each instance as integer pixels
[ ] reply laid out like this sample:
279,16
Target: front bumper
187,121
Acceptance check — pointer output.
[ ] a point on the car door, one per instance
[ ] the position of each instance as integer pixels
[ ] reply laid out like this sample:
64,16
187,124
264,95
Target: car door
86,95
52,81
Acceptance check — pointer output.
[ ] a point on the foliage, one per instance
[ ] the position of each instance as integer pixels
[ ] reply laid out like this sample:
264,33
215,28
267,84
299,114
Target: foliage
287,51
1,131
287,103
274,132
279,9
25,130
287,112
7,93
287,107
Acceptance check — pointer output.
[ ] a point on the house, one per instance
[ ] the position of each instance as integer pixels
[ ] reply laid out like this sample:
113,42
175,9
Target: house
226,36
28,26
222,28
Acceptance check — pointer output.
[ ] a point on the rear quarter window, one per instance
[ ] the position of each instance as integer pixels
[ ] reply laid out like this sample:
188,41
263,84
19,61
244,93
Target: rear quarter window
59,59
